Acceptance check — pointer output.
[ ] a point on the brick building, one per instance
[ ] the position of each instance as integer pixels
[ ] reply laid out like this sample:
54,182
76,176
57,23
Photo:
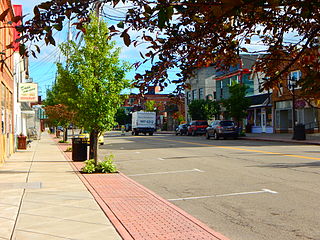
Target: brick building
167,106
6,83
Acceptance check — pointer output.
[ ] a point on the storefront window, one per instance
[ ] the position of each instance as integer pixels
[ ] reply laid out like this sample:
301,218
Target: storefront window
258,117
269,117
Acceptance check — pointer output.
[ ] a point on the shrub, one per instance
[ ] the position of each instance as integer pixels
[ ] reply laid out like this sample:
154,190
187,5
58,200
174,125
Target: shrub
89,166
69,149
106,166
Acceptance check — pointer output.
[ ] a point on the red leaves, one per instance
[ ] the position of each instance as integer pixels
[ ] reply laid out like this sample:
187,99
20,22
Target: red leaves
126,38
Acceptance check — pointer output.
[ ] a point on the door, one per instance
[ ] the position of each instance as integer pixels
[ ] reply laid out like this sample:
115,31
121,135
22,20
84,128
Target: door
263,120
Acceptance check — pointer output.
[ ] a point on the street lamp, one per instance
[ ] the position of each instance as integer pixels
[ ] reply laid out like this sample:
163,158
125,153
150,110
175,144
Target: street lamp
292,85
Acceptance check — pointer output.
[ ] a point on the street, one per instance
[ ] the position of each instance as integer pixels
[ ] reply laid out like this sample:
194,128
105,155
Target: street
246,190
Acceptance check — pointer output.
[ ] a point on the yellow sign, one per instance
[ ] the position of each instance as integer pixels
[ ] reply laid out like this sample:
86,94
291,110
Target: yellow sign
28,92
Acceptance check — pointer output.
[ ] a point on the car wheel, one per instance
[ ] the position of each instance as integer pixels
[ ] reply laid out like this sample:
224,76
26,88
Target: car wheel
207,135
216,136
177,134
150,134
136,133
132,133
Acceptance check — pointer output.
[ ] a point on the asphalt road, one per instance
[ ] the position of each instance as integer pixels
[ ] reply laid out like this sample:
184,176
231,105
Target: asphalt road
246,190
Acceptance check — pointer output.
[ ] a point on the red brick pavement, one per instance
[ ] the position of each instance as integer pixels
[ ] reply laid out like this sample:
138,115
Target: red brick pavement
138,213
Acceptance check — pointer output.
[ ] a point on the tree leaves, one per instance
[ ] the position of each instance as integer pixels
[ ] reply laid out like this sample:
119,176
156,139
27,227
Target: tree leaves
4,14
126,38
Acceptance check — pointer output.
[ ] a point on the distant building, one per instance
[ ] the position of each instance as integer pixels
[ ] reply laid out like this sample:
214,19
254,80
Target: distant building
211,83
305,113
167,106
202,87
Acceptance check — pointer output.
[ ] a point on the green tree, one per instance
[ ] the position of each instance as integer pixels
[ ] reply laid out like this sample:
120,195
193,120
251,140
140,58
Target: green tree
201,109
121,117
237,104
91,82
150,106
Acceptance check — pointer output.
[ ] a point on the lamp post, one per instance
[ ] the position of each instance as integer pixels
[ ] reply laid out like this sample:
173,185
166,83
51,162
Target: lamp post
292,86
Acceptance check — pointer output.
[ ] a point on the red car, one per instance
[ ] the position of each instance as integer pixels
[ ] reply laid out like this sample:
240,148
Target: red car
197,127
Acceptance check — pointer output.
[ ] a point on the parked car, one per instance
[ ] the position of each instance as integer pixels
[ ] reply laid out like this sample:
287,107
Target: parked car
222,128
197,127
86,134
182,129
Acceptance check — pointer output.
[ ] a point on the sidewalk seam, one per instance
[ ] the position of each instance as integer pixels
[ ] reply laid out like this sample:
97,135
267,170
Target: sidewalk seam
22,197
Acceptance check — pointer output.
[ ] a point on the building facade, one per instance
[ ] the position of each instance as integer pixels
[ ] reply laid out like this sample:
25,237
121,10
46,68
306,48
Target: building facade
22,110
216,82
202,86
168,107
286,101
6,84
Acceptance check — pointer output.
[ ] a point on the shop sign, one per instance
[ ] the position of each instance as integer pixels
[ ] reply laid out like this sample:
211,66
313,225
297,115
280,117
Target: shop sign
28,92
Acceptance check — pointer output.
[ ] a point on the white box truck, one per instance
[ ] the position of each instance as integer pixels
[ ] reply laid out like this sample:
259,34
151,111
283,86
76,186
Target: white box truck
143,122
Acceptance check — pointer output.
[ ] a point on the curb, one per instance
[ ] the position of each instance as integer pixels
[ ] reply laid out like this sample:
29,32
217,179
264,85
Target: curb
307,142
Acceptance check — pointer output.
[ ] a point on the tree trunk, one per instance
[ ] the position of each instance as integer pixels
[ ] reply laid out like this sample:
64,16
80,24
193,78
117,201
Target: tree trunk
65,134
93,153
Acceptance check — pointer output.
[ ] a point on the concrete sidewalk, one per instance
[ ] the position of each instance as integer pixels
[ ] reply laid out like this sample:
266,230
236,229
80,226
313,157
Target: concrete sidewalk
313,139
41,197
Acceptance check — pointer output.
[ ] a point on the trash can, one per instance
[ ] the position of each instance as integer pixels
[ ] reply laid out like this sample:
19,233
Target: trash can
79,149
22,142
299,132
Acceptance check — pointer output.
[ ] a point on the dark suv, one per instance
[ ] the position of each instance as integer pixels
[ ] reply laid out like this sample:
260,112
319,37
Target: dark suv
182,129
197,127
222,128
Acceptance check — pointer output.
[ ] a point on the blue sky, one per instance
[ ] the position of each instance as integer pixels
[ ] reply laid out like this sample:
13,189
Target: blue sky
43,70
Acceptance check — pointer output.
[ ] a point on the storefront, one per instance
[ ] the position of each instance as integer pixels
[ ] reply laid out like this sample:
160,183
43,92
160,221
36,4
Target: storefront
305,114
259,118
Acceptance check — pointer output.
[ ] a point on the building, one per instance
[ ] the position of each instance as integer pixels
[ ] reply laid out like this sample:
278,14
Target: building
167,106
213,84
22,110
6,84
286,100
202,86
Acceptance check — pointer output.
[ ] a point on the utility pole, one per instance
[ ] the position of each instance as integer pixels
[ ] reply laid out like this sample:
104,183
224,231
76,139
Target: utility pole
69,31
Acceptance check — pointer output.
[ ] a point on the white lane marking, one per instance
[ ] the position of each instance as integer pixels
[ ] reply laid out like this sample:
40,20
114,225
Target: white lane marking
161,159
224,195
158,173
137,152
269,191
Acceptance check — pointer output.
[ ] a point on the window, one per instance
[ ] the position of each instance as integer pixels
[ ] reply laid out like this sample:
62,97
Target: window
188,97
293,77
131,101
194,94
201,93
